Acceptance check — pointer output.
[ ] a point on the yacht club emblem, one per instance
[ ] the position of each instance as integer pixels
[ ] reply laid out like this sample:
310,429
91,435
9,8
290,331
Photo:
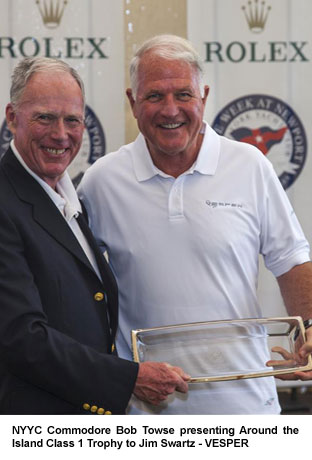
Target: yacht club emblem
272,126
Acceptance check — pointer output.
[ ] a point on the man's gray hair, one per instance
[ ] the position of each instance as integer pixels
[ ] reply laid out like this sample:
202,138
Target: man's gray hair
171,47
29,66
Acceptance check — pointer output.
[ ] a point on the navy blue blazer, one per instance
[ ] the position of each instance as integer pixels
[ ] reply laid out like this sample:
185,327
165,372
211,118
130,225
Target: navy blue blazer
57,319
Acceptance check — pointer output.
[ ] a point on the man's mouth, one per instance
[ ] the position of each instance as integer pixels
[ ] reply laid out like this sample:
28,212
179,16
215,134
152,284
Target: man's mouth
171,125
54,151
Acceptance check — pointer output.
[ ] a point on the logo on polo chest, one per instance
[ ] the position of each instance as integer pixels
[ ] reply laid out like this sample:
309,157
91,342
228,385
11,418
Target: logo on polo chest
223,204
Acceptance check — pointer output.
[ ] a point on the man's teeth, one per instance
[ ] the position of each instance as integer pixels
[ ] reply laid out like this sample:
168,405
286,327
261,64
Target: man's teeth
55,151
171,125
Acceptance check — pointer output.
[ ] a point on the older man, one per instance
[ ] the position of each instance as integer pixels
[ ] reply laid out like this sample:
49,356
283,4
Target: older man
177,256
58,297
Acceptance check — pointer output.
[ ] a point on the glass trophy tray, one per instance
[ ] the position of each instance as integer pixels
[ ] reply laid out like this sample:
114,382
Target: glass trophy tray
226,350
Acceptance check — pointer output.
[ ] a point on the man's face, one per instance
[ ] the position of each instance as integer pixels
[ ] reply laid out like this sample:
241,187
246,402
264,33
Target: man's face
47,124
169,108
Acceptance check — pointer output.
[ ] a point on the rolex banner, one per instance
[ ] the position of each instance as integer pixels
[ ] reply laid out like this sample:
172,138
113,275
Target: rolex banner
258,65
88,35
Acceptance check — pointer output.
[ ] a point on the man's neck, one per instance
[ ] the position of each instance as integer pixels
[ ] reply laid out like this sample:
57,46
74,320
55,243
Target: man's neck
175,165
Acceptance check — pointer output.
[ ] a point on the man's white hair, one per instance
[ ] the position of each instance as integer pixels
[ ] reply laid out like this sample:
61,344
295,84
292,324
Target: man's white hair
171,47
29,66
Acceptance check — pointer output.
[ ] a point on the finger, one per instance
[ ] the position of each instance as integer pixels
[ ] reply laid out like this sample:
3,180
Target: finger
305,350
182,387
296,376
179,371
307,347
287,377
177,383
280,363
282,352
304,375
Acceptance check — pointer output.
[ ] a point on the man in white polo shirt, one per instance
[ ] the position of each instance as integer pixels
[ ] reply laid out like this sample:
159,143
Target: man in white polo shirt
183,214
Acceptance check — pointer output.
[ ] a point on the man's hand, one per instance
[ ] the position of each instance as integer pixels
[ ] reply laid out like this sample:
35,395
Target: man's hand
296,290
156,381
303,353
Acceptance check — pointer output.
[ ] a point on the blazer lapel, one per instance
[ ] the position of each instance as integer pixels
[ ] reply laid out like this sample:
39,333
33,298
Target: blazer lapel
45,213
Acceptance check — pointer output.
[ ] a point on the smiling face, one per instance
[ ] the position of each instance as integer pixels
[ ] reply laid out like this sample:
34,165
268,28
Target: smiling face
169,110
47,124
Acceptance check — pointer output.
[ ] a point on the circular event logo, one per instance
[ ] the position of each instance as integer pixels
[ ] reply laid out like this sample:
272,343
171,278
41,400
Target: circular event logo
272,126
92,147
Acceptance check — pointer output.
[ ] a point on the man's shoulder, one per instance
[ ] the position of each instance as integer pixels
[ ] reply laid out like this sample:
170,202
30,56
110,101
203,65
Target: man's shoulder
113,160
239,146
17,187
107,168
245,153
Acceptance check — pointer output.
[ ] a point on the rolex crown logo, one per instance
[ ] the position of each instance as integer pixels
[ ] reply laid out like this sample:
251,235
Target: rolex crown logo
256,14
51,11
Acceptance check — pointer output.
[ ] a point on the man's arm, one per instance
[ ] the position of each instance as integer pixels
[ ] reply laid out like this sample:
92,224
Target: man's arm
37,349
296,290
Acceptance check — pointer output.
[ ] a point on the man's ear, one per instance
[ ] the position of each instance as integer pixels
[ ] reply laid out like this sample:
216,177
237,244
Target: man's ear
10,118
131,100
206,92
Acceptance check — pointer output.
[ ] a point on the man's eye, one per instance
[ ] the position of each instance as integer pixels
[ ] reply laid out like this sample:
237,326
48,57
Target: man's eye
184,96
153,97
73,121
44,117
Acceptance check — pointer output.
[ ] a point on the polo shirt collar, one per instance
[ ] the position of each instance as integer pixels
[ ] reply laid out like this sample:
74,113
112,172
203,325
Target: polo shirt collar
143,165
206,163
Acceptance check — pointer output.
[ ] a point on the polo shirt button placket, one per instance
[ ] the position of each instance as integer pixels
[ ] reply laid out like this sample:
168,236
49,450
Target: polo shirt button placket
176,198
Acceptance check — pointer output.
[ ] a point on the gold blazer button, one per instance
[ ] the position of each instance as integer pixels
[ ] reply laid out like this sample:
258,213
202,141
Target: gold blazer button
98,296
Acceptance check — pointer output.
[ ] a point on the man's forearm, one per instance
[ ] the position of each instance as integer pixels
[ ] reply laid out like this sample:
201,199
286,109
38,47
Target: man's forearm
296,290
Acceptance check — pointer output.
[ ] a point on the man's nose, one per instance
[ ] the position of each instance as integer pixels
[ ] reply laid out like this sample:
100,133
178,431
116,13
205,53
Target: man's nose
59,130
170,107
